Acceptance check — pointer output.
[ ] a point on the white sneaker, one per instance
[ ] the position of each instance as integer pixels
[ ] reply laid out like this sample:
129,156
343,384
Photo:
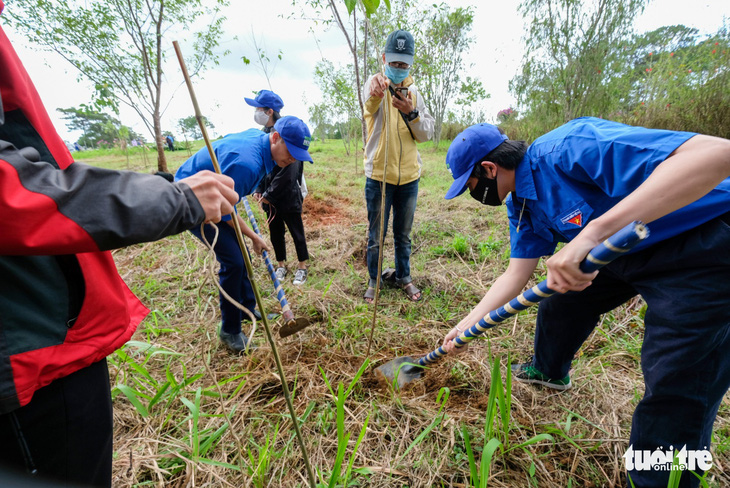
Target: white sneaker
280,273
300,276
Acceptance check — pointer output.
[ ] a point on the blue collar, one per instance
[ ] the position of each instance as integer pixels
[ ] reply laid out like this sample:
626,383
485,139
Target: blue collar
266,152
524,181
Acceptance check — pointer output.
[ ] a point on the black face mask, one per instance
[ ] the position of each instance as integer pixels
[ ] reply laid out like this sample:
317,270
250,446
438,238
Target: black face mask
486,192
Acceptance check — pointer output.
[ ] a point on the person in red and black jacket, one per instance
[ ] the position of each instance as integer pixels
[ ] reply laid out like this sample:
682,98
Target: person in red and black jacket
63,306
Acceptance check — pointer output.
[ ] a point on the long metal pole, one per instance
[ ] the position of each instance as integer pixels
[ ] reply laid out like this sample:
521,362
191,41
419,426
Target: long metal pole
615,246
286,312
249,268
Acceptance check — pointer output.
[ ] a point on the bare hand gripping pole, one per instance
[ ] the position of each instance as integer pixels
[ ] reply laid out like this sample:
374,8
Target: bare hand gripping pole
406,369
249,268
291,325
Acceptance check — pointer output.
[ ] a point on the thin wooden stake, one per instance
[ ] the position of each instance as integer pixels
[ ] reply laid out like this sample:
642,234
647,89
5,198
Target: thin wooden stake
249,268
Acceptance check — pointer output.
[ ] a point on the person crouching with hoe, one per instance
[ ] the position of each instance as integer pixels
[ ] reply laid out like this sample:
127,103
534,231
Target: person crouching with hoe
579,184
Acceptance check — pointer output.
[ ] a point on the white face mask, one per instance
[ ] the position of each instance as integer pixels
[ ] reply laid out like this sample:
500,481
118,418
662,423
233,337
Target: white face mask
260,117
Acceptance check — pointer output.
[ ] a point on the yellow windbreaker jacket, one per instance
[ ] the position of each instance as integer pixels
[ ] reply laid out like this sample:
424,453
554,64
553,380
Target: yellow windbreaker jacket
404,162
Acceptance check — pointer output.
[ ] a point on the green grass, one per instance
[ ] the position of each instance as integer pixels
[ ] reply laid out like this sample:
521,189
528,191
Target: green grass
187,412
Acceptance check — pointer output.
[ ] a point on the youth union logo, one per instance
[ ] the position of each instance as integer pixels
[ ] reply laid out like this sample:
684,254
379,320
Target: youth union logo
659,460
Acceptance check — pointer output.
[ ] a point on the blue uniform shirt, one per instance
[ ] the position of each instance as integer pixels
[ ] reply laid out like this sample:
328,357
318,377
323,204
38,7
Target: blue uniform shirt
580,170
244,156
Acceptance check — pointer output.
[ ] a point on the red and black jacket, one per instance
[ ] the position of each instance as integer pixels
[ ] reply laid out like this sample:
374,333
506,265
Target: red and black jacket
63,306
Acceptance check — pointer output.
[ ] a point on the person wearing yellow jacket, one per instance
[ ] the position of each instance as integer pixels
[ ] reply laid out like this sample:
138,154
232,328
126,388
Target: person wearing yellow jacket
393,101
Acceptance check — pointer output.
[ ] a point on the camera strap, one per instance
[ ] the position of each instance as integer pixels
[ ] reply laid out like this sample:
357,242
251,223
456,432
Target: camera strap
402,115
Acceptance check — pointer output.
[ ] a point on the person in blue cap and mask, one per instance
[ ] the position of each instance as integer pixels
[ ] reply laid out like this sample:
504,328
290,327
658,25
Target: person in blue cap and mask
246,157
408,123
580,184
280,194
268,107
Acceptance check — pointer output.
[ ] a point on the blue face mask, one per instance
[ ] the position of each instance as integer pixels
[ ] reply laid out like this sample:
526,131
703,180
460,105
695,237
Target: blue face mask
396,75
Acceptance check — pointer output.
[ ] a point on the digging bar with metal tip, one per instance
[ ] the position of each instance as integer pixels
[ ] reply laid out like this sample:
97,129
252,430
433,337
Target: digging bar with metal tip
403,370
291,325
249,268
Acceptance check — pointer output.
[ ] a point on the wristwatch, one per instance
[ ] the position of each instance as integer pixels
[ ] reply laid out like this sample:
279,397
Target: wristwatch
412,115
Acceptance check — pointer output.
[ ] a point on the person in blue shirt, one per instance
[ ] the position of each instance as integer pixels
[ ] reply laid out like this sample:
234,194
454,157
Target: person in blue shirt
280,193
246,157
579,184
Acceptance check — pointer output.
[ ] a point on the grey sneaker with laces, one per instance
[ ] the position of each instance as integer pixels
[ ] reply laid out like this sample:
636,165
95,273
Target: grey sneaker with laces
300,276
280,273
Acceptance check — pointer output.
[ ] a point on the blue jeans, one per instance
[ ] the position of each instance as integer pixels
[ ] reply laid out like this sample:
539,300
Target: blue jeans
684,356
233,276
402,198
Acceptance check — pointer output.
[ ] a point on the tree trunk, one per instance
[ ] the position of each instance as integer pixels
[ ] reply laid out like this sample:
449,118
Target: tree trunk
160,143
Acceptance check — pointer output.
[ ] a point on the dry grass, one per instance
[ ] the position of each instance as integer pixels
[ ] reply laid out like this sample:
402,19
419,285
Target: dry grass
160,449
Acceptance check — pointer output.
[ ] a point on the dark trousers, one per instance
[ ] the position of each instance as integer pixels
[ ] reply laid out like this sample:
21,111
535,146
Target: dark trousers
292,220
685,354
232,275
402,198
65,432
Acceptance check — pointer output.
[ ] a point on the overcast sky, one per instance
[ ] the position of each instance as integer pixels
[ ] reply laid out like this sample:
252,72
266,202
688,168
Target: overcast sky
496,55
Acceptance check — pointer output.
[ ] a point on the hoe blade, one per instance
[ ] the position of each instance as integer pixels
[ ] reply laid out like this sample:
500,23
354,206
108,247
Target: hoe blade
293,326
400,371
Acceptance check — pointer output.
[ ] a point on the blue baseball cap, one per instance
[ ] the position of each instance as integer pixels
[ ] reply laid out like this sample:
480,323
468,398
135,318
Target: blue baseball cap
266,99
466,150
296,136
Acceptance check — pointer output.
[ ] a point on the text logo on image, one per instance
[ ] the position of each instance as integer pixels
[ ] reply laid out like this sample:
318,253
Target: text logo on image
659,460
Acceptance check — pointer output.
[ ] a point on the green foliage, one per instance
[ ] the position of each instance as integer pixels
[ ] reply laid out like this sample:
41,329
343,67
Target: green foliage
190,128
500,401
585,61
99,129
121,45
442,38
572,63
460,244
337,477
259,464
677,80
340,108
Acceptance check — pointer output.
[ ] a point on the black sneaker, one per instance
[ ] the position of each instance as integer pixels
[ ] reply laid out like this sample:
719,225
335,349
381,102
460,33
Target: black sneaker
234,342
527,373
256,314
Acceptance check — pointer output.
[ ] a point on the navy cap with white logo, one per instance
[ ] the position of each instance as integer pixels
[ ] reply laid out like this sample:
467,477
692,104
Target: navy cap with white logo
399,47
296,136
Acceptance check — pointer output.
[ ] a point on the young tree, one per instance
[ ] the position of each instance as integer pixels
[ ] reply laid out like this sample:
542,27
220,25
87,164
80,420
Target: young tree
572,61
95,126
120,45
265,63
439,66
442,40
319,116
190,129
338,90
329,12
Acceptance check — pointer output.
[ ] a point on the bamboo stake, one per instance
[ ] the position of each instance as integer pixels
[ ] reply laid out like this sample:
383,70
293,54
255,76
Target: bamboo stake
249,268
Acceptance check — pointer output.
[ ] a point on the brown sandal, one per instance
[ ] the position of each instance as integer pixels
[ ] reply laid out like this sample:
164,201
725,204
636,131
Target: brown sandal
412,291
369,295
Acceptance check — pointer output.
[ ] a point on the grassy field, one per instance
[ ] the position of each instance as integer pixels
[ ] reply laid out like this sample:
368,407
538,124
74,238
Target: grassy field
189,414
